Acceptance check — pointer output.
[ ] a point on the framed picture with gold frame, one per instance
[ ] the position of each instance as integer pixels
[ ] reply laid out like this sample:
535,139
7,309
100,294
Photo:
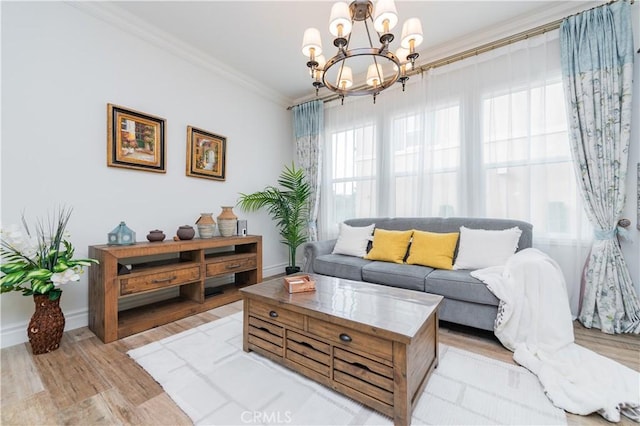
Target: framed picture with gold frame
135,140
206,154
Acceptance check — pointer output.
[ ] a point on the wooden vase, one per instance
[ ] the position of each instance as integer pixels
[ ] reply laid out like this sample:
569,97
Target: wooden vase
46,325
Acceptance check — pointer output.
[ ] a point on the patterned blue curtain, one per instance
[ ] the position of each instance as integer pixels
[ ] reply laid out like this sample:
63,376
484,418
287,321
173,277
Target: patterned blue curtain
308,121
597,65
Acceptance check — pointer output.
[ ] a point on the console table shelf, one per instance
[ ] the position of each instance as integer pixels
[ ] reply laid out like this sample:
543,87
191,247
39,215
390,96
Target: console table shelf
186,265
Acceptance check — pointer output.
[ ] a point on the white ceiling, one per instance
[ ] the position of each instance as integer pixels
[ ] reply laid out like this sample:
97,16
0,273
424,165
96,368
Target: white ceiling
260,41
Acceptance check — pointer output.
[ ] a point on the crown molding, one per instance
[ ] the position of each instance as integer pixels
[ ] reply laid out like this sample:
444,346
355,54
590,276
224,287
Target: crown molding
506,29
125,21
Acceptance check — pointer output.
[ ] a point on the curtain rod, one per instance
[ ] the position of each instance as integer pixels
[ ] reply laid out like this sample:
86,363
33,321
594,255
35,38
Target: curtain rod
484,48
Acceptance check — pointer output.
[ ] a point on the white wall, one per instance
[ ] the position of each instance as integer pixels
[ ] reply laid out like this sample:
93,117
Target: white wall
60,68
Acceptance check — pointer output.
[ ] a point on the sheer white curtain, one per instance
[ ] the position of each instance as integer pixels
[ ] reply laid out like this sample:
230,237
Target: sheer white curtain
483,137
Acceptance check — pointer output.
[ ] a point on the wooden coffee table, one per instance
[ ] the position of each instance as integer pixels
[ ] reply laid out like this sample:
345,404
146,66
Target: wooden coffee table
373,343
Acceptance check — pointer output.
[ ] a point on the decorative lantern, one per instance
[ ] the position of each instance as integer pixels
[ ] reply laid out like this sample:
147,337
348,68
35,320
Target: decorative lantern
122,236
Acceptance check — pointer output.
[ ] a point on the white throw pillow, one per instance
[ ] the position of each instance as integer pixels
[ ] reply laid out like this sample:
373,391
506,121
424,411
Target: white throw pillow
481,248
353,240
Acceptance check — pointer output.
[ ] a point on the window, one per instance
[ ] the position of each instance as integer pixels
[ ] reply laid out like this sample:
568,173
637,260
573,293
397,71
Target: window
484,137
527,160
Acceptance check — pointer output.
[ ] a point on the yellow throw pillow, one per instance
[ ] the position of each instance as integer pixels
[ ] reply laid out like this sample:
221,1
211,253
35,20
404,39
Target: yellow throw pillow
433,249
389,246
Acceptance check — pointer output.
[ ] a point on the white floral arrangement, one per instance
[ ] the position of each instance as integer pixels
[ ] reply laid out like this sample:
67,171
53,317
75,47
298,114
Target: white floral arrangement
40,263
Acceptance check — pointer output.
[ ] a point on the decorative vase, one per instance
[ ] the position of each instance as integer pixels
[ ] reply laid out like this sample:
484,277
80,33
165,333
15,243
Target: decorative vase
186,232
227,221
46,325
155,235
206,225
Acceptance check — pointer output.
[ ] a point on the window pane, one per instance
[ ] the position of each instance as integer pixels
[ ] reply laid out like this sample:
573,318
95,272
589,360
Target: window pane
444,194
353,169
445,137
353,199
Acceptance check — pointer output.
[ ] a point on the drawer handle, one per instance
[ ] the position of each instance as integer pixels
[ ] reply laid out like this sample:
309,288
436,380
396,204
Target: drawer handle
307,344
234,266
273,314
357,364
162,280
345,337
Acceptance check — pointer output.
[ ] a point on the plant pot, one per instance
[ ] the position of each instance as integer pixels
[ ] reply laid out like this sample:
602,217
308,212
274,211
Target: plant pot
291,270
46,325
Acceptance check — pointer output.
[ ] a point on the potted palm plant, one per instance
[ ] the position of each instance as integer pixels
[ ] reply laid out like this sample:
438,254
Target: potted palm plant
288,206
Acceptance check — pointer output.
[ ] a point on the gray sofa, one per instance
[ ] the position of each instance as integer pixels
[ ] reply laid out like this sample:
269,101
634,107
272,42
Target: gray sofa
467,300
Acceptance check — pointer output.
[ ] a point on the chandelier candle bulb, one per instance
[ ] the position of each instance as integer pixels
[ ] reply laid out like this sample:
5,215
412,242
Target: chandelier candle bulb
402,54
374,75
311,44
345,78
386,16
340,20
411,34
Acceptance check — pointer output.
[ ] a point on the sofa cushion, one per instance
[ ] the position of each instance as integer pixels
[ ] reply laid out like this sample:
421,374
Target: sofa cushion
389,246
459,285
339,265
411,277
353,240
482,248
432,249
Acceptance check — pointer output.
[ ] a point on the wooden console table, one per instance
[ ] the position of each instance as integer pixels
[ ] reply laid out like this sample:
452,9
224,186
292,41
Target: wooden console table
161,265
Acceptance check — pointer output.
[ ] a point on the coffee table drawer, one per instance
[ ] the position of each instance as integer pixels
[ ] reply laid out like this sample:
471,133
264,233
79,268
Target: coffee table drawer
353,339
276,314
267,336
308,352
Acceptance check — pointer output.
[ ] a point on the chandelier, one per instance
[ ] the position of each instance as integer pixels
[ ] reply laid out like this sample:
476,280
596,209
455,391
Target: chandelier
384,67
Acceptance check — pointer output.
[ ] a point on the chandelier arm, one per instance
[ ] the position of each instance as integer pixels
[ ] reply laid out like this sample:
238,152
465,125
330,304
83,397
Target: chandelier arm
368,33
375,60
346,47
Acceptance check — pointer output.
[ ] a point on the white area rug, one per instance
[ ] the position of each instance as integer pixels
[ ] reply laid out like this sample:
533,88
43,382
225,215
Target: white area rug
206,373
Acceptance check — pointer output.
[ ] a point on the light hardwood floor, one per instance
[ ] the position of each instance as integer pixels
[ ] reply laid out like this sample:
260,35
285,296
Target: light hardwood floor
86,382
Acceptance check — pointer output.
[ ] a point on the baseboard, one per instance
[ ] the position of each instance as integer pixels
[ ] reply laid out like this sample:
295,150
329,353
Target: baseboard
16,333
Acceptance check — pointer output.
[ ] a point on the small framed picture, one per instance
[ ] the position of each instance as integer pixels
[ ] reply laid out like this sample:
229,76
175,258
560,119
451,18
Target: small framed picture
135,140
206,154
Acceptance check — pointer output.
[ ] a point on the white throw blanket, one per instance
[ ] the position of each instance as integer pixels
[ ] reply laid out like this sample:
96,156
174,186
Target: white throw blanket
534,321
